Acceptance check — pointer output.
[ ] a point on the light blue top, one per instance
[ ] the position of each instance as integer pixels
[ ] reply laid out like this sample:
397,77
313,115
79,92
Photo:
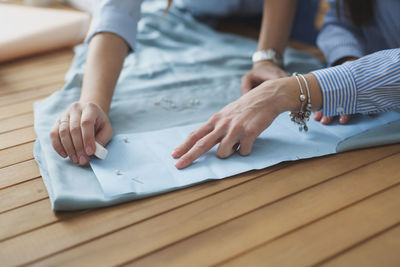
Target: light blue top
121,16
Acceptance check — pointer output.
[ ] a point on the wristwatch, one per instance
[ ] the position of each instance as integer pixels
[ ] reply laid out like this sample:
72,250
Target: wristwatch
268,54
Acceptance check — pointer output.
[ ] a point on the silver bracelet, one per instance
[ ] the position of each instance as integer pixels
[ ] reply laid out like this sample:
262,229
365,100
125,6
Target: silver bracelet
302,116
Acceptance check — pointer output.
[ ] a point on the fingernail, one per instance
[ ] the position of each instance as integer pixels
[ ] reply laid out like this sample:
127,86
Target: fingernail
82,160
175,152
89,150
63,154
178,165
74,159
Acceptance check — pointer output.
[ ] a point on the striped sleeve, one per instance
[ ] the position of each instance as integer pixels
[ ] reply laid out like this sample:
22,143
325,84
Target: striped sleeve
339,38
369,84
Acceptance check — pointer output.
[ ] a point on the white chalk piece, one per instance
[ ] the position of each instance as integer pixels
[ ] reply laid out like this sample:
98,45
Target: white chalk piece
100,152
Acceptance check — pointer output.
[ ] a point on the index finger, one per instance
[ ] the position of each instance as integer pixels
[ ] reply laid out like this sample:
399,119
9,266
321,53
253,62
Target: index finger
191,140
87,124
200,147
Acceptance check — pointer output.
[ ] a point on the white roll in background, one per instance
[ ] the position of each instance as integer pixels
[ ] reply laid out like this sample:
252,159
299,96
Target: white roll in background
27,30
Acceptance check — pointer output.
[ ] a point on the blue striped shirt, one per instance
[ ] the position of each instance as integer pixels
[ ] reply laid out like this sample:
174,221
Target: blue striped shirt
339,38
369,84
372,83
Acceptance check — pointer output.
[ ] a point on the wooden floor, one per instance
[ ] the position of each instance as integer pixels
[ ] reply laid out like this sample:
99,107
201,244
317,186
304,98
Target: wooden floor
340,210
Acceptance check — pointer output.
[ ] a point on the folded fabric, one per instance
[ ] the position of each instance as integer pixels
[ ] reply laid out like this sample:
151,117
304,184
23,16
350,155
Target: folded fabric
181,73
141,163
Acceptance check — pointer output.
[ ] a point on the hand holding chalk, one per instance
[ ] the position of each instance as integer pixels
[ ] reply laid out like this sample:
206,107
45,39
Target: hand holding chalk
100,152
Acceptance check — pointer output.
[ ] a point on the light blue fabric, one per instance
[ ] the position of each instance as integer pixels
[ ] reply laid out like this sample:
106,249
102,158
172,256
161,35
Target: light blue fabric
150,169
177,59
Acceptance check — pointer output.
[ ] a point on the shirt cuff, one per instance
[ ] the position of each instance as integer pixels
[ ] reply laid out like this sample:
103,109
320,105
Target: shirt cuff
339,90
113,20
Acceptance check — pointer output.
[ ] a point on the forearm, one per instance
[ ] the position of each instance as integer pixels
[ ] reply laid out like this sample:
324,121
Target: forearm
104,62
276,12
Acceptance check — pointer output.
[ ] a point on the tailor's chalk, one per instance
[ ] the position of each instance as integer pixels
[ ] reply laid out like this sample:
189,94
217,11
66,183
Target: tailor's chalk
100,152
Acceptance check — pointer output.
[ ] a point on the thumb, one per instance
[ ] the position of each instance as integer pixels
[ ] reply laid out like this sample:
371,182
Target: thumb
246,83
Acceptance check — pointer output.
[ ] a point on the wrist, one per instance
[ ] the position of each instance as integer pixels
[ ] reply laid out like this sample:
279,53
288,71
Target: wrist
285,94
265,63
101,103
268,55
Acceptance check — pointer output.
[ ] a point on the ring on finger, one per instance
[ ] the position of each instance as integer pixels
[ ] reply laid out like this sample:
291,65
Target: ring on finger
63,121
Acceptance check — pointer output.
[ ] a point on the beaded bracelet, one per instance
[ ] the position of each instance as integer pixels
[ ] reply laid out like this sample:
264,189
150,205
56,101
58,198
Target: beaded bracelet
303,115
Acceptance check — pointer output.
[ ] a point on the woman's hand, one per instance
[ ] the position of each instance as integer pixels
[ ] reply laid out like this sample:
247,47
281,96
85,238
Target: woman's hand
76,130
318,116
238,124
262,71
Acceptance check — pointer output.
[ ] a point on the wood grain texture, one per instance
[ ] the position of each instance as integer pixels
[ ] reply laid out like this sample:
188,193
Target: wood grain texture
21,108
329,236
34,93
380,250
39,214
16,154
22,194
17,137
270,222
18,173
15,123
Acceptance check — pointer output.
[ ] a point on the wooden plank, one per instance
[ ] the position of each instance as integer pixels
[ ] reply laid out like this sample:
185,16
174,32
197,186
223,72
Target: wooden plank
45,80
16,122
18,173
37,219
16,154
36,61
30,217
17,109
270,222
155,232
382,250
17,137
324,238
117,217
17,77
30,94
22,194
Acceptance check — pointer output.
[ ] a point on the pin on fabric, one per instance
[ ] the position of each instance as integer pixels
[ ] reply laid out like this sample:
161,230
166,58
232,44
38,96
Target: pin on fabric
136,180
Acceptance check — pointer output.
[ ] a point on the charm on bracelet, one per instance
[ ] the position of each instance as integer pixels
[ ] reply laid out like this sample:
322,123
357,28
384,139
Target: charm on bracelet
302,116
